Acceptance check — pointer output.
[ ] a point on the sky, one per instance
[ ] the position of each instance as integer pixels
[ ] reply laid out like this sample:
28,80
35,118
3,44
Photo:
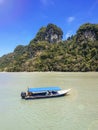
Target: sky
20,20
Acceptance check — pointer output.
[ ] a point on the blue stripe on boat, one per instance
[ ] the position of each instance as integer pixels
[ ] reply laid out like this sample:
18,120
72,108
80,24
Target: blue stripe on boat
44,89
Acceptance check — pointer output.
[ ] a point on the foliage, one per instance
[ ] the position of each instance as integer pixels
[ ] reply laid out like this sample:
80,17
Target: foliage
40,36
68,55
88,29
45,33
55,29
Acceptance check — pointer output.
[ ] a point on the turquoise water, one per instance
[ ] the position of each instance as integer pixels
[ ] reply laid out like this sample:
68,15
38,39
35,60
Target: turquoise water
77,111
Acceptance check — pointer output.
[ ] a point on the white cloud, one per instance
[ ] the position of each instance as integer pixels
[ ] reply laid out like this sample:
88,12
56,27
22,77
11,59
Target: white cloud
47,2
68,34
70,19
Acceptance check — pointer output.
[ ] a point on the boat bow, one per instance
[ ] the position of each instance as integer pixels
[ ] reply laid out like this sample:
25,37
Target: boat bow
64,91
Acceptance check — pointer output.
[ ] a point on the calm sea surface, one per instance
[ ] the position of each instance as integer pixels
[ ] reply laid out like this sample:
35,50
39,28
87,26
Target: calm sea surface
77,111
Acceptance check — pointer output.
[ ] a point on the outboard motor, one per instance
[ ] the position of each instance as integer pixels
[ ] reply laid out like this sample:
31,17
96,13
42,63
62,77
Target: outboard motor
23,95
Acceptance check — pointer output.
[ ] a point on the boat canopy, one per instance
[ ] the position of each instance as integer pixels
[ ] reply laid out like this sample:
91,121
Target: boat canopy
43,89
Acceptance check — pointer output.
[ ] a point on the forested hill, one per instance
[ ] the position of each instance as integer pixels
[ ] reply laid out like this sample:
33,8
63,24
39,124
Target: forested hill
47,51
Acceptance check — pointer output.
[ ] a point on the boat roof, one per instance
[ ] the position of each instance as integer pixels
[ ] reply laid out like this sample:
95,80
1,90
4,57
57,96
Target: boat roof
44,89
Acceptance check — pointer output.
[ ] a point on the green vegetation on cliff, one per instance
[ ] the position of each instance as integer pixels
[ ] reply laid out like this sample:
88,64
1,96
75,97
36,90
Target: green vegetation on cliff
47,51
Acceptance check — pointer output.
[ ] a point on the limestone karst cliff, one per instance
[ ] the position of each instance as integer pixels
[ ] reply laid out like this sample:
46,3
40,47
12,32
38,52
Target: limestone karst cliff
51,33
48,52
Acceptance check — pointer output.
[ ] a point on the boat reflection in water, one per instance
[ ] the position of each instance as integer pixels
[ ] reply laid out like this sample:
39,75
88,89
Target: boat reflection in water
46,92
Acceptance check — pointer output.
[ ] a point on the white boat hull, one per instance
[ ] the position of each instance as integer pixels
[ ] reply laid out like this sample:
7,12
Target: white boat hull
58,94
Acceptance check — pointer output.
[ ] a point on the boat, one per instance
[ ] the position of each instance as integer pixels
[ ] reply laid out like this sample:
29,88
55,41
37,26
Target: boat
44,92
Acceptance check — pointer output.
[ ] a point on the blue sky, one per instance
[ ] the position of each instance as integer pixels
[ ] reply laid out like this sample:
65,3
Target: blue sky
20,20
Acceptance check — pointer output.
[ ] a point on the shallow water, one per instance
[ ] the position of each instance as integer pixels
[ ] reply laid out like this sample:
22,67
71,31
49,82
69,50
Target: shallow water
77,111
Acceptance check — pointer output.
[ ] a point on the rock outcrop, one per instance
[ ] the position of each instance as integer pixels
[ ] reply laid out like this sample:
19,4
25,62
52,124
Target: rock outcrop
87,32
78,53
51,33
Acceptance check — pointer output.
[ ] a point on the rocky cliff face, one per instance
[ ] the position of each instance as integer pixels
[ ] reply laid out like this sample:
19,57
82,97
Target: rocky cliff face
87,32
86,35
51,33
79,53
